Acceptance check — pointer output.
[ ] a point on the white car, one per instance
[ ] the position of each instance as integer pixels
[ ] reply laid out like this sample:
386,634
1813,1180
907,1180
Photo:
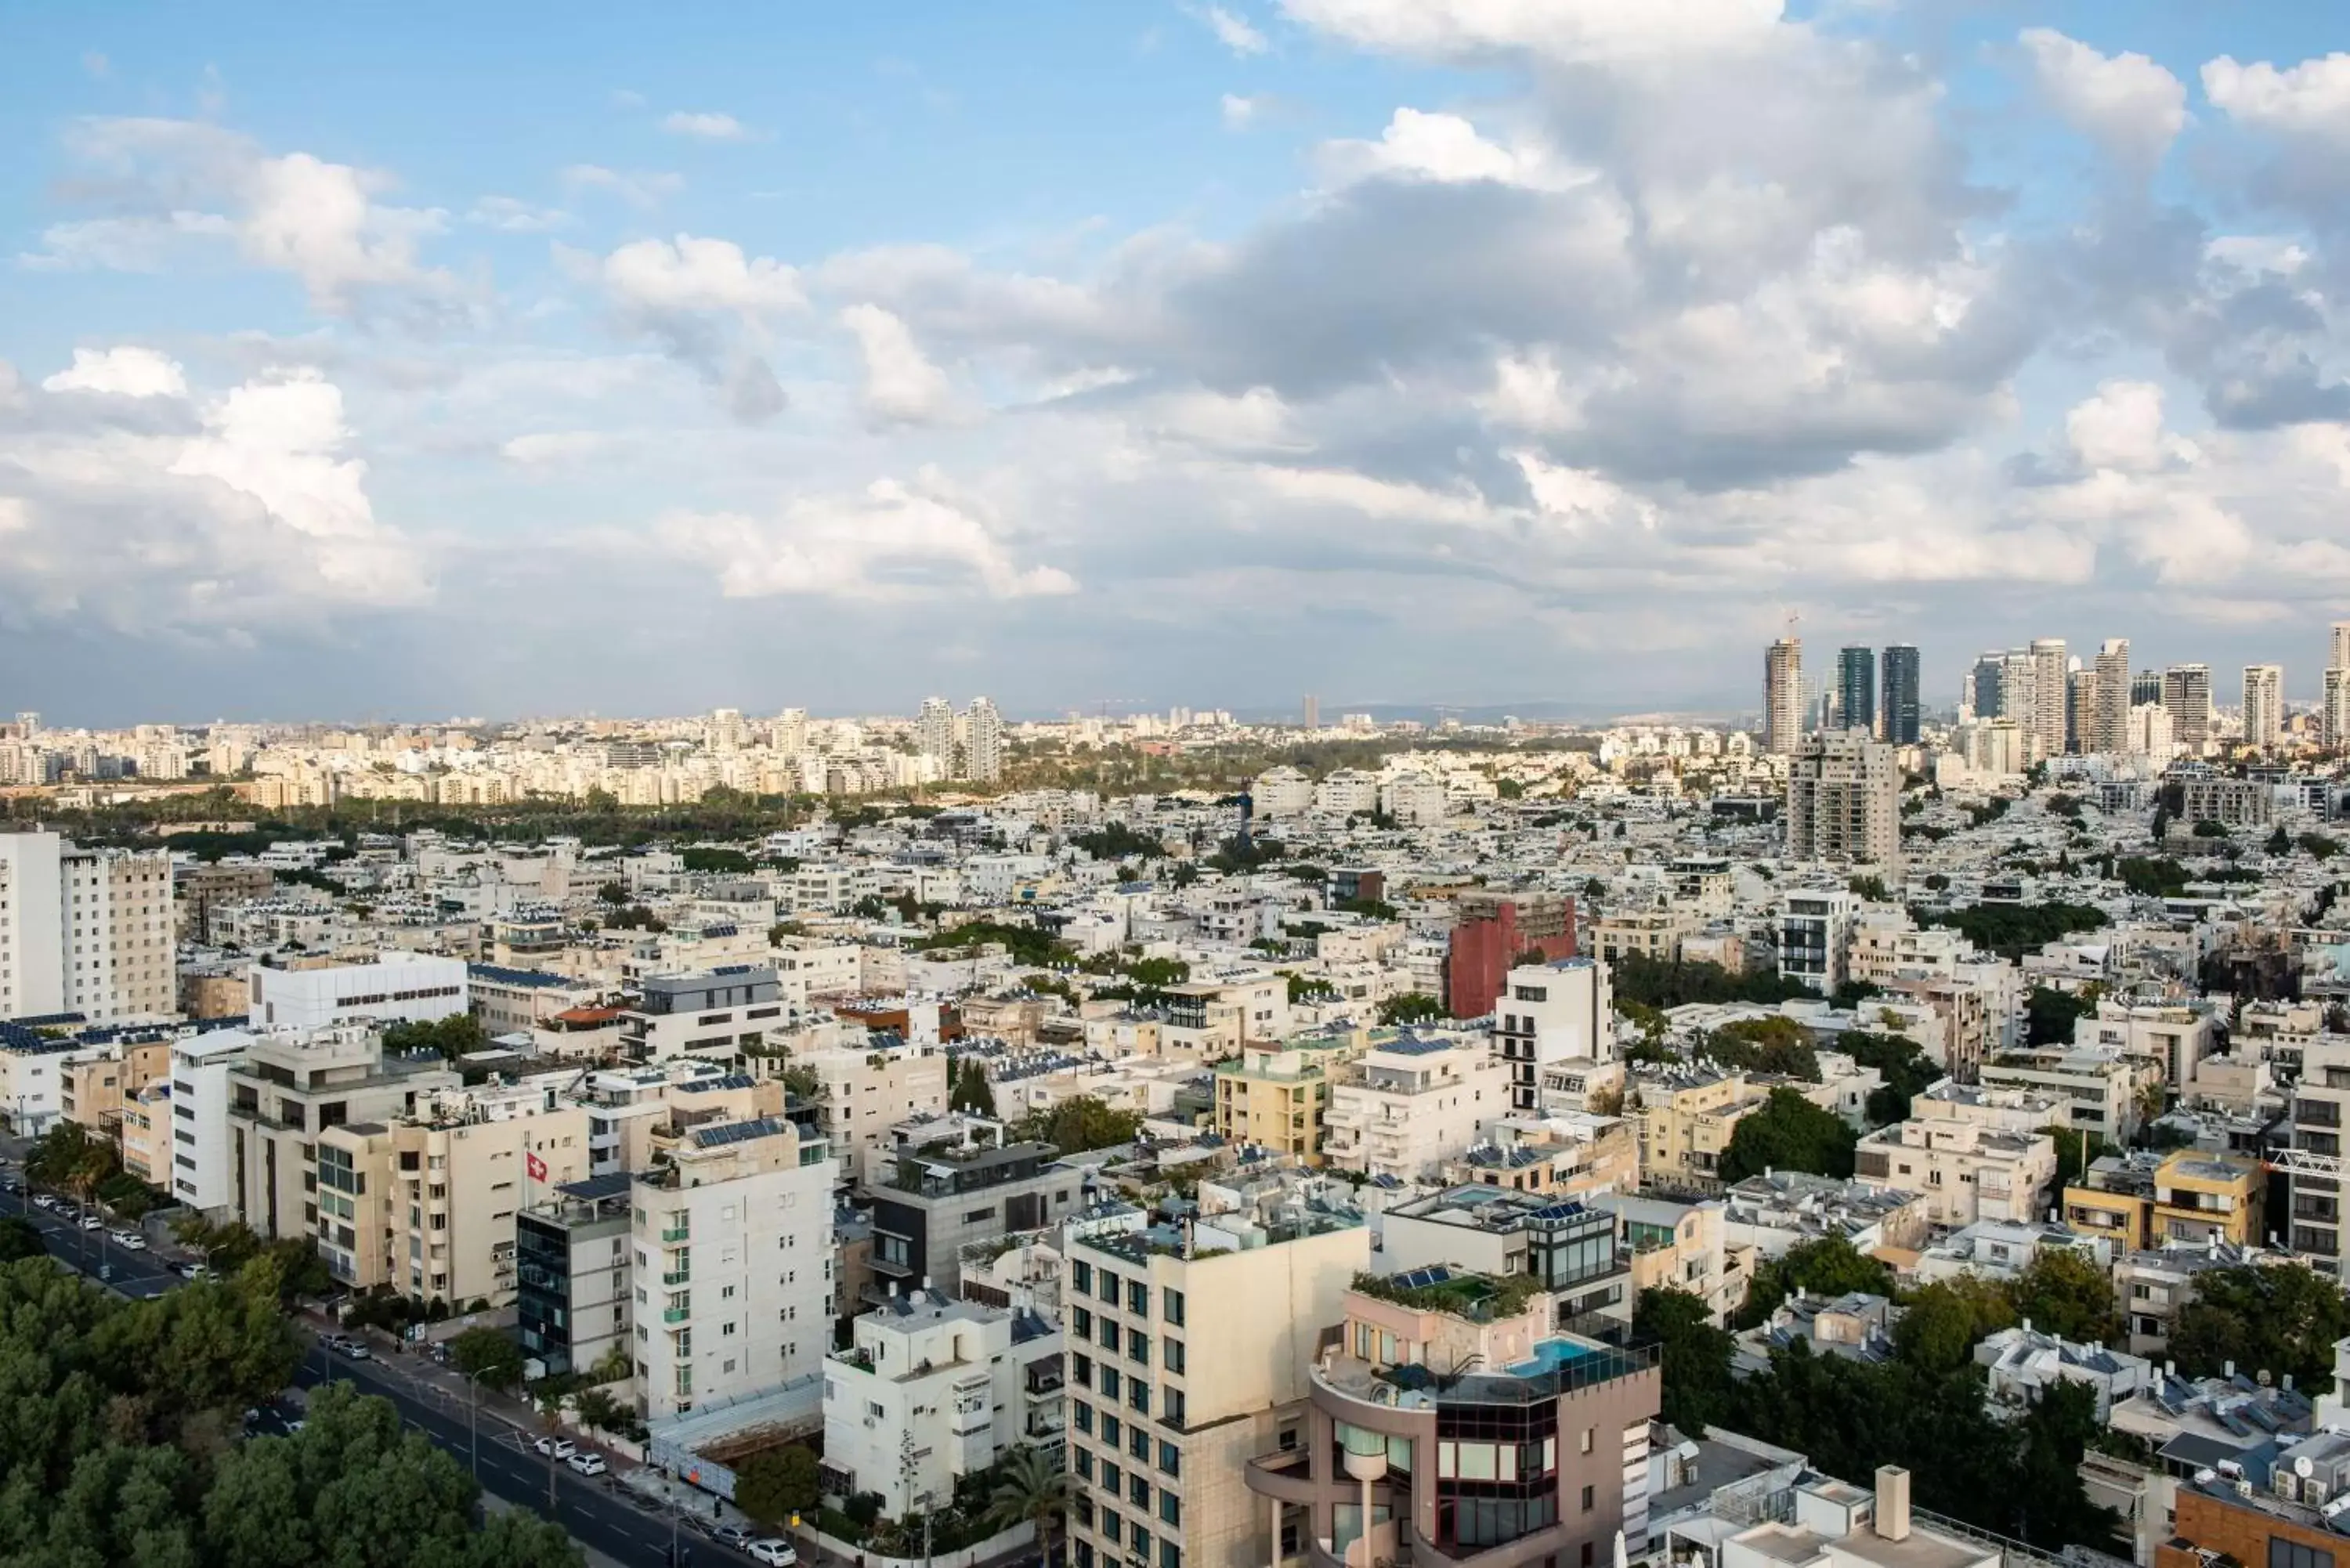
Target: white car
587,1464
92,1222
130,1241
773,1552
556,1448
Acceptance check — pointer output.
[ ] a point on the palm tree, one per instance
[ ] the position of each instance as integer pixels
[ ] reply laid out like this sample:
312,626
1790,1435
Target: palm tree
1031,1488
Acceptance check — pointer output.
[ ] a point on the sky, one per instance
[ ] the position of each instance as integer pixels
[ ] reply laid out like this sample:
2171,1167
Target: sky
404,361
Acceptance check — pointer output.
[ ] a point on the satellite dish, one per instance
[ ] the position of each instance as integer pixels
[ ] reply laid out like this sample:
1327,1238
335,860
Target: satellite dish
2303,1468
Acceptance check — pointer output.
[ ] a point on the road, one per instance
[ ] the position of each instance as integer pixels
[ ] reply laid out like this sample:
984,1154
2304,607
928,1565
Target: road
141,1274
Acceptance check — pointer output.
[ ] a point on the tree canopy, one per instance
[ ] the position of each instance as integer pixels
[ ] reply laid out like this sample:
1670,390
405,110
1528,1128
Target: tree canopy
1080,1123
2278,1319
1830,1266
1790,1133
1669,983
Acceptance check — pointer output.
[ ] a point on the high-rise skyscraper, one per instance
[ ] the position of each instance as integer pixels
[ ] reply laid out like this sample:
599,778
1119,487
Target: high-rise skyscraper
2110,730
1988,682
1897,703
983,743
2263,704
2050,670
1783,695
1312,712
2081,710
2146,686
1843,801
934,732
1856,688
2186,696
2333,715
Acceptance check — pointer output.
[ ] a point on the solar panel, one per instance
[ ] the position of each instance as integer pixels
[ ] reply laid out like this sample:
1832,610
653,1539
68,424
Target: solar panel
1420,1279
725,1133
1563,1210
1412,1045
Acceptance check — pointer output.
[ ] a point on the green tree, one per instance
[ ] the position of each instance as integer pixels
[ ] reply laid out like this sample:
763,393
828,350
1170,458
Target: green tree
456,1035
1080,1123
973,1091
1774,1045
20,1239
1831,1266
2049,1015
774,1484
2076,1151
1696,1357
2278,1319
1789,1132
2064,1292
1031,1488
490,1356
1899,1061
1411,1007
599,1411
1941,1323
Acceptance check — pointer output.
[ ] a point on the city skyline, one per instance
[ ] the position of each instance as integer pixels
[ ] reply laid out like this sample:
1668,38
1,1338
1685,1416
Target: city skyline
1042,359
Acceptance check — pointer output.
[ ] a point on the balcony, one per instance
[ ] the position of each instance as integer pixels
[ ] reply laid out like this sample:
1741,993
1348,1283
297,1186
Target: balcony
678,1277
680,1229
676,1314
1284,1474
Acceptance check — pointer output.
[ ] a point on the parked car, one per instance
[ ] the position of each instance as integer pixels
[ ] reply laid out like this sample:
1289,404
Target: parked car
130,1241
587,1464
92,1222
732,1535
775,1551
556,1448
354,1350
44,1200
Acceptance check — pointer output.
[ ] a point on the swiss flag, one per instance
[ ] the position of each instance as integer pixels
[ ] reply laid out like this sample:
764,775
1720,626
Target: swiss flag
535,1166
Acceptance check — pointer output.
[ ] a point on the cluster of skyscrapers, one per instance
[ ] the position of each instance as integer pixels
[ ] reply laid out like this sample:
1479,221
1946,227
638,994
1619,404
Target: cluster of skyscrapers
2057,703
968,745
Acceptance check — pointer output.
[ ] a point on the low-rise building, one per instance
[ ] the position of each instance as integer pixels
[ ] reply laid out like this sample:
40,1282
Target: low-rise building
954,1181
1686,1118
865,1089
1417,1103
392,988
1969,1172
1782,1209
2021,1364
574,1275
1567,1248
1274,1095
931,1389
2186,1198
2097,1089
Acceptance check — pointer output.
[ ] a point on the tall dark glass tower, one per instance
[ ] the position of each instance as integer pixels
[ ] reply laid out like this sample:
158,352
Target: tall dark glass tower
1856,688
1900,702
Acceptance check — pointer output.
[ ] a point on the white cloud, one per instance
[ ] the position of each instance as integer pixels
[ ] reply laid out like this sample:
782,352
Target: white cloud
1241,111
700,274
902,385
1582,30
895,541
1580,498
639,189
511,215
185,179
1233,30
126,371
2126,103
1443,147
2121,429
2311,99
707,126
547,448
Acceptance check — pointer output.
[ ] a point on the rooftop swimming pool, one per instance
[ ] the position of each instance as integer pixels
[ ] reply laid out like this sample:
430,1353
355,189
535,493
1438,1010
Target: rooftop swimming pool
1551,1355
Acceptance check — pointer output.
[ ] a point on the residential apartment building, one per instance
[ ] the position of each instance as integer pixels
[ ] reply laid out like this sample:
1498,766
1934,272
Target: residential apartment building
1567,1248
426,1203
733,1263
2172,1038
954,1181
1556,1020
718,1014
1686,1121
292,1084
392,988
2096,1089
1815,929
1844,799
2320,1101
572,1286
1275,1096
2187,697
2263,705
2143,1199
203,1174
1782,695
1409,1106
864,1090
1452,1422
1159,1442
1970,1171
88,931
932,1389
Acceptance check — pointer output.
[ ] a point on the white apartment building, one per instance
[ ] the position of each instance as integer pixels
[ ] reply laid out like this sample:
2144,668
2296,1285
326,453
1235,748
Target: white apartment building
734,1260
2173,1038
2263,704
863,1091
395,988
290,1085
1555,1023
718,1014
1413,1106
953,1384
2096,1089
202,1175
85,931
32,1079
1815,936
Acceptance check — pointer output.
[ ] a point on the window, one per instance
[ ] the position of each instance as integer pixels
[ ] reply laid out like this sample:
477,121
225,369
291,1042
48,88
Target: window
1589,1497
1171,1351
1081,1321
1081,1371
1587,1433
1137,1491
1084,1553
1169,1555
1110,1428
2284,1553
1109,1382
1112,1478
1108,1335
1138,1349
1081,1416
1170,1458
1085,1465
1170,1406
1173,1301
1137,1298
1138,1443
1081,1275
1138,1395
1108,1291
1110,1527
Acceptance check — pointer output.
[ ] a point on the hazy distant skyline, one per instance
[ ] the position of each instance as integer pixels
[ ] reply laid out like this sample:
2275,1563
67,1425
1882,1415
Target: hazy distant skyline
1477,352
